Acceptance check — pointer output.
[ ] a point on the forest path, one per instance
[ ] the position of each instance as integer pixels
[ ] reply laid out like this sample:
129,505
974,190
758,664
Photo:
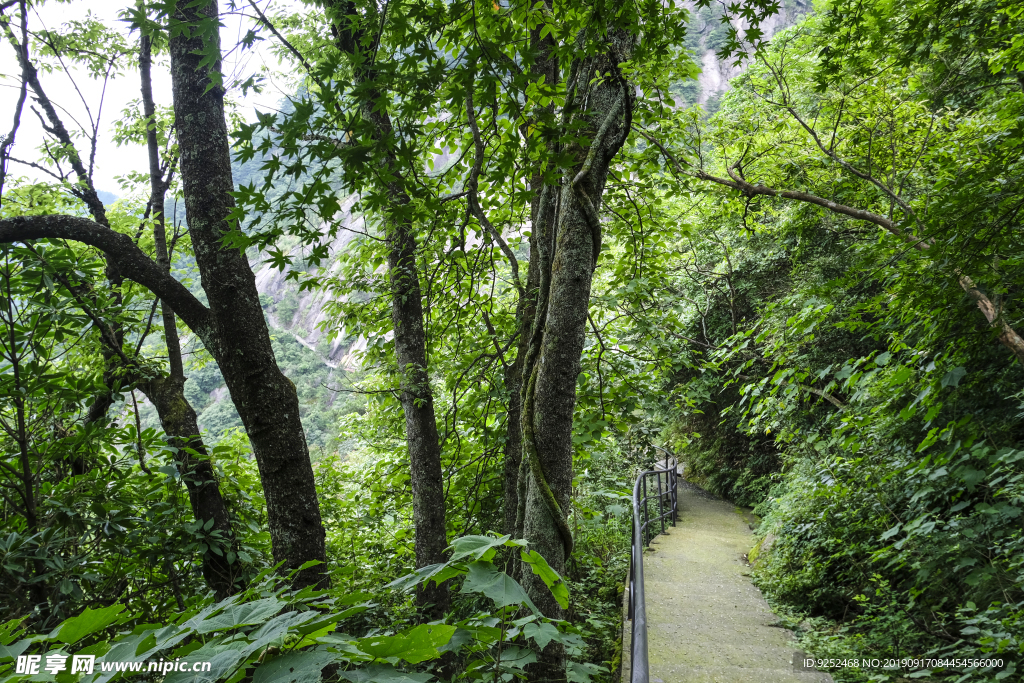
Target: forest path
706,621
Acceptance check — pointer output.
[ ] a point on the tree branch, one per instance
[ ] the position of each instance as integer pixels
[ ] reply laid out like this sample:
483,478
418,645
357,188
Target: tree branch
817,392
131,261
473,184
993,314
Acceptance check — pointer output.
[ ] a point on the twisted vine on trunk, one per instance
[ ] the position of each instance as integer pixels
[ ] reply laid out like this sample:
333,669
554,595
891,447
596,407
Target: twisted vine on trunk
599,110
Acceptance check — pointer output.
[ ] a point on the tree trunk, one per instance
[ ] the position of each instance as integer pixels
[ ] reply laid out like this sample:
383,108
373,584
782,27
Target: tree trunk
428,502
158,192
427,478
554,363
266,400
178,420
543,64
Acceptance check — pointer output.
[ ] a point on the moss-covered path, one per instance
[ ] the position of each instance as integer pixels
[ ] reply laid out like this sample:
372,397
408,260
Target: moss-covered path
706,621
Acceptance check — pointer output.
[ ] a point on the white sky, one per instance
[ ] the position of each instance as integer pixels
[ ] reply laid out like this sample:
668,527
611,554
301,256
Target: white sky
111,160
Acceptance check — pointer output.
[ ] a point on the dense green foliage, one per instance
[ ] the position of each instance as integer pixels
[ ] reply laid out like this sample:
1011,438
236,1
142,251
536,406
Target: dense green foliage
834,376
791,295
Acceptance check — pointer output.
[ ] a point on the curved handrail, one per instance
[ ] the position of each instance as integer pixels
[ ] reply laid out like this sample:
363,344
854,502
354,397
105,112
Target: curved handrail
642,536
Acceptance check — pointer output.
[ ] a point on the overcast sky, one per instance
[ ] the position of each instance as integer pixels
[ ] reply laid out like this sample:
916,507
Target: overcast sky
111,160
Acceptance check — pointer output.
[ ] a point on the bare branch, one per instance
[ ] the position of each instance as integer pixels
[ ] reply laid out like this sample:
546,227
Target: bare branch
817,392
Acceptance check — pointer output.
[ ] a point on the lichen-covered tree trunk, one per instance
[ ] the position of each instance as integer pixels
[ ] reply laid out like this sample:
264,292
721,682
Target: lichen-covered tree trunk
266,400
543,64
553,365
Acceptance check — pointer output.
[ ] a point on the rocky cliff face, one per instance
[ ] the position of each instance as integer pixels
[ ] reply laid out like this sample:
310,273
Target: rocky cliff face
302,314
708,34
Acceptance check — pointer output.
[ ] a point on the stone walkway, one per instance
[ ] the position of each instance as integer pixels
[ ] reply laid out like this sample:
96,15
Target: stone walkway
706,621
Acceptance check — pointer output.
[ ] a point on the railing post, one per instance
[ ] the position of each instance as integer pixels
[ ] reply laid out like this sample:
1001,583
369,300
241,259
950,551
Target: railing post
674,487
632,575
647,519
661,503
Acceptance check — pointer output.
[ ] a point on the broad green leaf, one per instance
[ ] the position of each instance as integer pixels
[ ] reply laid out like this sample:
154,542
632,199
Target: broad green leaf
12,650
548,575
276,629
245,614
583,672
517,657
294,667
953,377
542,633
476,547
410,581
11,630
89,621
485,578
418,644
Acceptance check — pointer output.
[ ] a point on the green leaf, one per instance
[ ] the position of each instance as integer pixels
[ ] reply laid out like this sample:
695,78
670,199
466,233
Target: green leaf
517,657
410,581
383,674
485,578
548,575
294,667
276,629
89,621
476,547
14,649
542,633
246,614
11,630
583,672
418,644
953,377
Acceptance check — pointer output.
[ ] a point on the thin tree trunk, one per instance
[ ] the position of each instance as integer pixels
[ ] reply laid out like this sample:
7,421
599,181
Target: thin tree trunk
178,420
428,500
266,400
158,192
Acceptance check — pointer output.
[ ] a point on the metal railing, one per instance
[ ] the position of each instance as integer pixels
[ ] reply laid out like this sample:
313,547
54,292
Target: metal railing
645,528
